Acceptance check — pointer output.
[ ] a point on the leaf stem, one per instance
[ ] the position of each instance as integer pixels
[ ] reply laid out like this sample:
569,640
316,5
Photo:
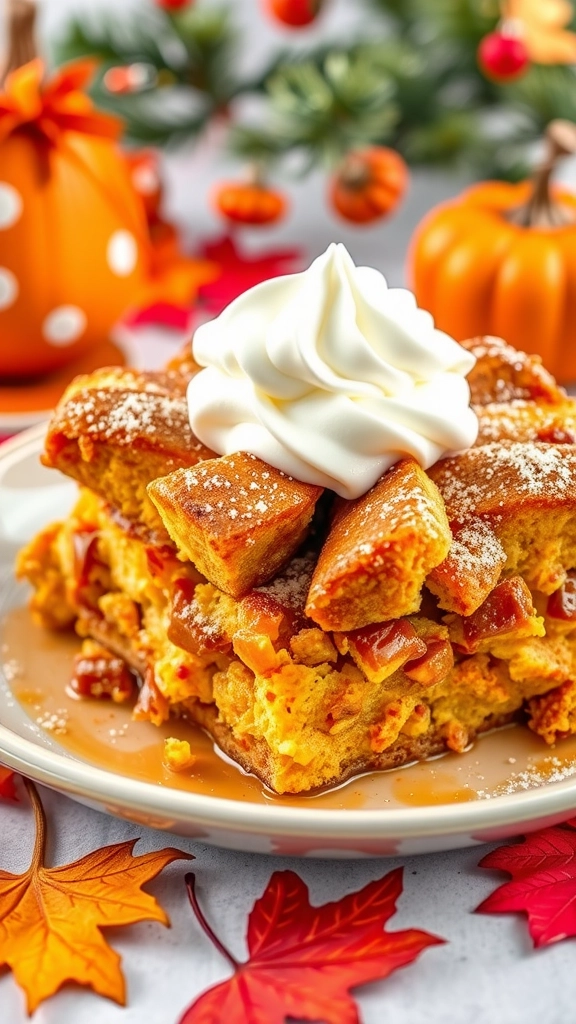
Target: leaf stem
40,821
190,880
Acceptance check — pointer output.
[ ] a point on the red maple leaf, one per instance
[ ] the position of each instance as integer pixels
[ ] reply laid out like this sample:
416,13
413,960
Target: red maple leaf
543,886
7,788
304,959
240,271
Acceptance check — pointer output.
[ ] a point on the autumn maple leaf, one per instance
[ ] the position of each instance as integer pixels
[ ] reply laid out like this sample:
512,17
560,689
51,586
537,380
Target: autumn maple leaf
239,270
50,918
543,886
7,787
304,959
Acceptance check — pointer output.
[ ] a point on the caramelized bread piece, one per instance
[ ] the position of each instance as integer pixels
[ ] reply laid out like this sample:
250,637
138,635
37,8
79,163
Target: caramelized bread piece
470,570
236,518
379,551
508,613
526,494
504,374
183,363
515,398
115,430
527,421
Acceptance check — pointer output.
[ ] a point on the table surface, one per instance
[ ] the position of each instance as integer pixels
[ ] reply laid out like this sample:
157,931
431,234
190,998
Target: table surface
486,974
488,971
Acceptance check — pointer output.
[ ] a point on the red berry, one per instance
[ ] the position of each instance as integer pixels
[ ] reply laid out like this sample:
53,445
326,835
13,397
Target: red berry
294,13
503,57
173,5
128,78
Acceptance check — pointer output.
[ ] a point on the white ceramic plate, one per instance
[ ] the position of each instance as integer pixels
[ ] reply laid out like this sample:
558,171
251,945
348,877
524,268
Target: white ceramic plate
31,496
13,422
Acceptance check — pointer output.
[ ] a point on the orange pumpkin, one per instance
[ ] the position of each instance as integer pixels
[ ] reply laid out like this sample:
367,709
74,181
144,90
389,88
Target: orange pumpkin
369,184
249,202
73,243
501,259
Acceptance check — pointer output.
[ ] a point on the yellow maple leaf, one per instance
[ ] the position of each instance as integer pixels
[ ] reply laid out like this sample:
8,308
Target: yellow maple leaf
50,918
544,29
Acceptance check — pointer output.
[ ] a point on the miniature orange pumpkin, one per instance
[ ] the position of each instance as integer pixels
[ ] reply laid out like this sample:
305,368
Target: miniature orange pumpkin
369,184
501,259
73,243
249,202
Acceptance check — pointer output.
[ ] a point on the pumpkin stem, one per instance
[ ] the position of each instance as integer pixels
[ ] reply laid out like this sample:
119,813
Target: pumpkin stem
255,174
354,172
22,47
542,210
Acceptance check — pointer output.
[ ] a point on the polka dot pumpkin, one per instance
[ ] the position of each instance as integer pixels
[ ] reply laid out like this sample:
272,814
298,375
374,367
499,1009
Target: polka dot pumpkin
73,242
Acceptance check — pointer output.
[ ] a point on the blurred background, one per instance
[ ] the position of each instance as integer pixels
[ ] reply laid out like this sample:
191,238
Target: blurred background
254,133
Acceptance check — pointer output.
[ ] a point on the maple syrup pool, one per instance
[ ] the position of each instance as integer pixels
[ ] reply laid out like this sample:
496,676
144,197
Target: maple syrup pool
37,665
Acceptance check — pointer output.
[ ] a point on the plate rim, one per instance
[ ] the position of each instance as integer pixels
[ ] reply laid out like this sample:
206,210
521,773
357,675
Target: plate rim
71,775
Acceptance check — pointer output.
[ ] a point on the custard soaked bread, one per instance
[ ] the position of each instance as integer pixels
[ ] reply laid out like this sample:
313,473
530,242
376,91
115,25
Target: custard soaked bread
405,623
297,705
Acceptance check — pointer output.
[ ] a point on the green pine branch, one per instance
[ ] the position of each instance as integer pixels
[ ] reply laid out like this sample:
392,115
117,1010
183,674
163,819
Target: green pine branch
322,108
146,39
413,83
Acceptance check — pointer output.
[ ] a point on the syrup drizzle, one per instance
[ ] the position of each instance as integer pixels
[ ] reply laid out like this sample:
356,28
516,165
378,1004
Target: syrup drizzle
37,667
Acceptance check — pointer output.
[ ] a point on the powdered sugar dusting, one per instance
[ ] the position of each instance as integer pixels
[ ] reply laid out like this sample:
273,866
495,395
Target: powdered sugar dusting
482,475
524,421
239,489
125,416
546,771
406,505
475,550
290,587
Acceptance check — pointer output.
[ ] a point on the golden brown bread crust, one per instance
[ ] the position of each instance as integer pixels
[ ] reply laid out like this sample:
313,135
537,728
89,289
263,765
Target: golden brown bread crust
526,495
496,481
236,518
116,430
516,398
504,374
380,549
524,421
471,568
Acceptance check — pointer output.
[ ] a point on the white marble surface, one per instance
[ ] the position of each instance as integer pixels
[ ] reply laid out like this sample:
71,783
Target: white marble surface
488,972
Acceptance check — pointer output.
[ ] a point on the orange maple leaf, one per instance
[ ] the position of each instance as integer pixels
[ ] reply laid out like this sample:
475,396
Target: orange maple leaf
50,918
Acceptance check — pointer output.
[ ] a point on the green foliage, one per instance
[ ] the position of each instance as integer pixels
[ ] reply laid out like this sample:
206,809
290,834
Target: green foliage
412,82
190,56
322,108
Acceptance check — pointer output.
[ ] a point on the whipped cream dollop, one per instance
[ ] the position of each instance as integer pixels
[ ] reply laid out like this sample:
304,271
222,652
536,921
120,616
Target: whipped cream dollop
330,376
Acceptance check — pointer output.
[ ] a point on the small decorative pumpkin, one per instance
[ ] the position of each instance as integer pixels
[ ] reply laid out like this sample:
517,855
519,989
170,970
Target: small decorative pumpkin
369,184
73,241
249,202
501,259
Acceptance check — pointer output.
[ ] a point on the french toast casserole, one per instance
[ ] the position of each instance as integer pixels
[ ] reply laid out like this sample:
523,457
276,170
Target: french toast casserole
312,636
